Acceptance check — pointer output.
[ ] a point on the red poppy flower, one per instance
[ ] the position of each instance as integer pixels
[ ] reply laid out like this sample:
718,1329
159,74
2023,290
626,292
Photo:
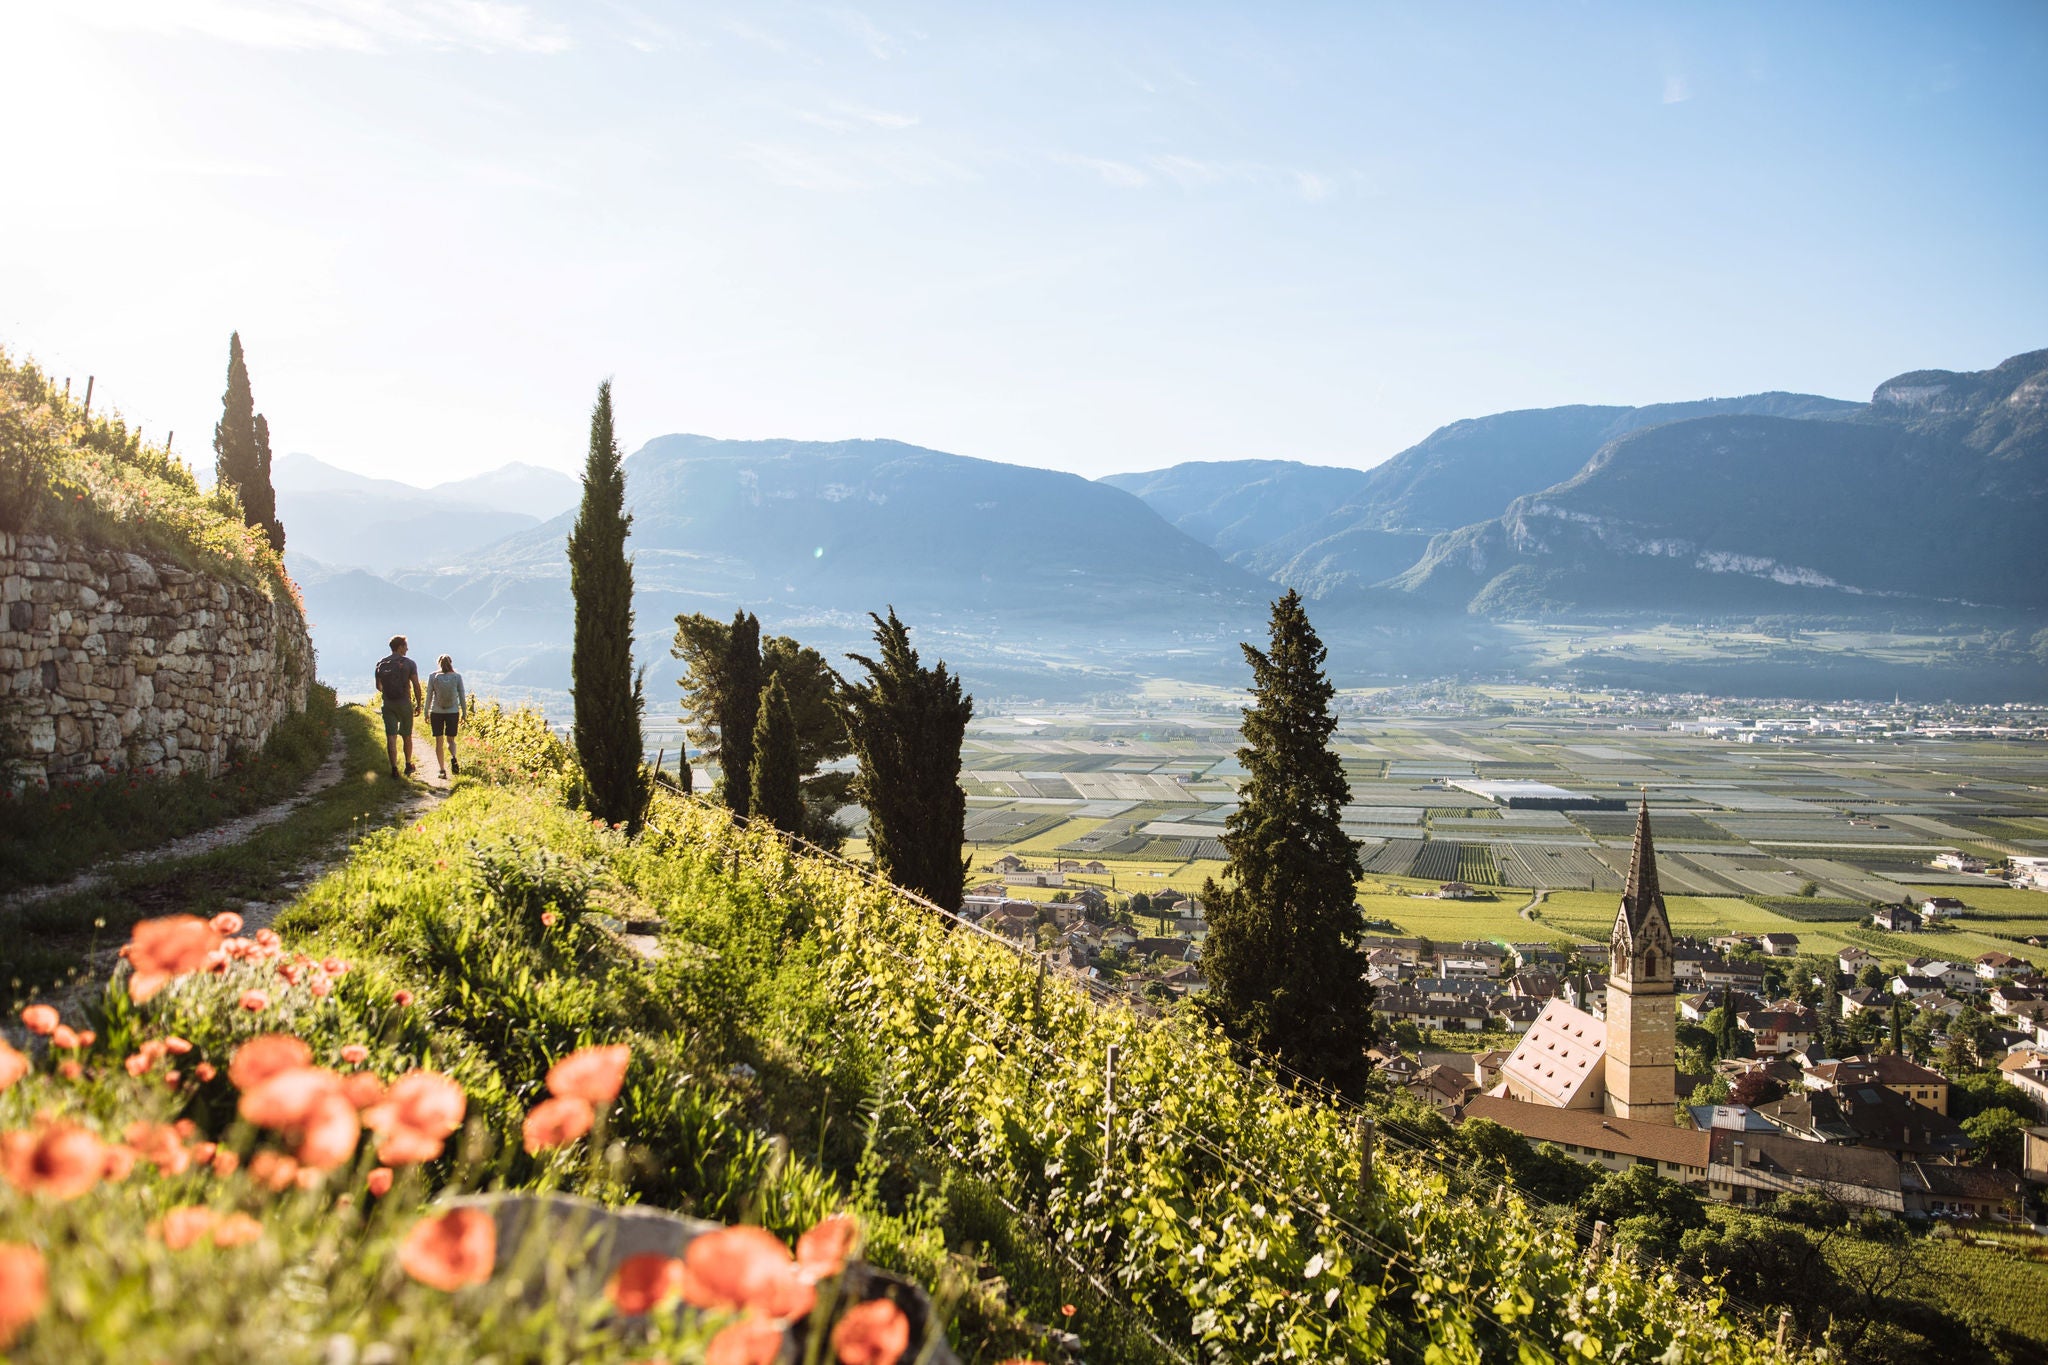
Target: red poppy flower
70,1070
871,1333
355,1054
415,1117
13,1065
61,1160
40,1019
362,1088
641,1282
750,1341
120,1162
745,1267
176,1046
182,1227
65,1037
557,1122
592,1073
380,1181
328,1137
273,1170
225,1161
236,1229
206,1071
286,1100
822,1251
24,1289
255,1001
402,999
159,1145
161,949
227,924
451,1250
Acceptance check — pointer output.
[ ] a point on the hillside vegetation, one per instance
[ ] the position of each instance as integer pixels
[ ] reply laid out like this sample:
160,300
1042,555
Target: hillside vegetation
88,478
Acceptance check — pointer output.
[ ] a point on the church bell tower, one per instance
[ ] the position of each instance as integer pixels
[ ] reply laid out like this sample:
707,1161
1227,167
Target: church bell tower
1642,1022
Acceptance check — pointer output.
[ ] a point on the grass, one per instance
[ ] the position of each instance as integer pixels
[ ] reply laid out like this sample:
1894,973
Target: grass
51,940
48,835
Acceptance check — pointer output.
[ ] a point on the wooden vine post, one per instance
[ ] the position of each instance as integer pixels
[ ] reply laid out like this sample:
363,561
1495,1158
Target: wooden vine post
1366,1129
1109,1109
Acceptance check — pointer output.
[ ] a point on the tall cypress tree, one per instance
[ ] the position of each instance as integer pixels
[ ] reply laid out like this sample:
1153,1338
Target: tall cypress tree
259,500
1284,958
777,778
907,723
234,436
739,708
606,691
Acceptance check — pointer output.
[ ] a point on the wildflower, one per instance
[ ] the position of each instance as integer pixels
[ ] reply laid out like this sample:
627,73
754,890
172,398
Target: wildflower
181,1227
643,1281
24,1289
273,1170
226,1162
40,1019
320,986
63,1036
160,1146
557,1122
268,938
750,1341
548,919
70,1070
13,1065
206,1071
137,1063
745,1267
355,1054
362,1089
452,1250
333,966
173,1078
161,949
822,1251
328,1137
871,1333
237,1229
176,1046
86,1037
415,1116
379,1182
227,924
119,1163
593,1074
402,999
1067,1310
60,1160
255,1001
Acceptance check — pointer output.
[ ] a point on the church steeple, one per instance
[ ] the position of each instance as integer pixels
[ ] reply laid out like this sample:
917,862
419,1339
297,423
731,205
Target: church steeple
1642,890
1641,1022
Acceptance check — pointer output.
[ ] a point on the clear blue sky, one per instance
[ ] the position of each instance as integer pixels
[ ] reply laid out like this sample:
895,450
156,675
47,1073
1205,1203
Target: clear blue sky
1090,236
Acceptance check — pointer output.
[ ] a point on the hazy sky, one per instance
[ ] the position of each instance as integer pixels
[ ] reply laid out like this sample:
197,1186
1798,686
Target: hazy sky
1094,236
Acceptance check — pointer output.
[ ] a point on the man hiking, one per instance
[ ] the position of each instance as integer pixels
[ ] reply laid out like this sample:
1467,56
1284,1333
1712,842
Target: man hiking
398,684
445,699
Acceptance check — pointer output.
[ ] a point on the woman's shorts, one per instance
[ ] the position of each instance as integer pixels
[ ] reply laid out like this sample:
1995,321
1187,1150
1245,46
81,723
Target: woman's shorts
444,722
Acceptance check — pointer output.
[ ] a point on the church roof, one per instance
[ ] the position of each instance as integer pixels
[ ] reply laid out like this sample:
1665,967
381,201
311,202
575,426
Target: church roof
1560,1056
1642,891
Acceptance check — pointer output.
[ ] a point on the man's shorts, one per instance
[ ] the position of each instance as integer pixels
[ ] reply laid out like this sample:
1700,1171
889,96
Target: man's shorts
397,721
444,723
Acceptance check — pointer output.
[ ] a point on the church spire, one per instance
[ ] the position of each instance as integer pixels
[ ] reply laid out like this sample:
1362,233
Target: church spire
1642,890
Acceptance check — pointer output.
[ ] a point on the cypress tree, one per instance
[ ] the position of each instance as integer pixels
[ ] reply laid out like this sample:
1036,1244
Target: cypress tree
259,501
739,708
1285,961
234,436
603,685
777,779
907,723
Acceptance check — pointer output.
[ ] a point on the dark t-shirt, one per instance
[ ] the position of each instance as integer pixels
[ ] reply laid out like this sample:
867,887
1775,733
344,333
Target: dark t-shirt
396,678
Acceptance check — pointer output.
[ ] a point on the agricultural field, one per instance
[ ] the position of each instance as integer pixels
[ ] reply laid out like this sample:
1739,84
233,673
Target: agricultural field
1820,824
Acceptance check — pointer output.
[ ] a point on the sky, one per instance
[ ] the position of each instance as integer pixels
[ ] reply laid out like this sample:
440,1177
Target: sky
1094,237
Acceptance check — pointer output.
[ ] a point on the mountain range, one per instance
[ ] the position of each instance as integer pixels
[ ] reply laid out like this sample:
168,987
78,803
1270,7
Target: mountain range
1928,498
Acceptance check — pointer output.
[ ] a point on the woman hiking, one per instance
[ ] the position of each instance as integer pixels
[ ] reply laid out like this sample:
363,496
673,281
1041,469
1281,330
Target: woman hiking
445,700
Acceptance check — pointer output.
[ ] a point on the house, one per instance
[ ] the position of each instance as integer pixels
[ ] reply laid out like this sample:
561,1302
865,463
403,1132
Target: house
1589,1136
1118,936
1091,899
1467,968
1009,862
1779,945
1852,960
1425,1013
1041,877
1743,976
1864,998
1094,867
1895,1073
2017,1000
1168,949
2027,1072
1184,978
1588,993
2029,873
1534,984
1748,1167
1689,961
1934,909
1895,919
1514,1016
1937,1190
1409,950
1728,943
976,904
1778,1031
1538,955
1958,862
1947,1006
1441,1087
1456,891
2034,1154
1395,1066
1012,923
1932,974
1809,1115
1486,1068
1998,966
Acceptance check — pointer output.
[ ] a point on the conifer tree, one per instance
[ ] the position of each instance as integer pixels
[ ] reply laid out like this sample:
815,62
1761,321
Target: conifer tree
777,781
1284,958
907,723
260,500
739,708
605,689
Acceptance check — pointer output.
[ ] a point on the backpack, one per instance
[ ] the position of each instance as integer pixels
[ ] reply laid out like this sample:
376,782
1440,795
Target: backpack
394,679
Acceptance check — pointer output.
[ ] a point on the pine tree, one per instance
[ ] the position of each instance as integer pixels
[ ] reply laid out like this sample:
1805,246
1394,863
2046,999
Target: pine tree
777,787
260,500
907,723
234,436
605,689
1285,961
739,708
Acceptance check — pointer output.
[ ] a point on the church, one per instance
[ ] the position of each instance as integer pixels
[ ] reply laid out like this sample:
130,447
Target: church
1625,1065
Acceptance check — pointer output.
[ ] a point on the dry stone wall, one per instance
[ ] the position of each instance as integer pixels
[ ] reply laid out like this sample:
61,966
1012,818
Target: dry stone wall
112,661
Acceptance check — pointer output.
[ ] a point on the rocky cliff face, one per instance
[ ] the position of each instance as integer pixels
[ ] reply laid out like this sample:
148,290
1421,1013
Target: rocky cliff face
112,661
